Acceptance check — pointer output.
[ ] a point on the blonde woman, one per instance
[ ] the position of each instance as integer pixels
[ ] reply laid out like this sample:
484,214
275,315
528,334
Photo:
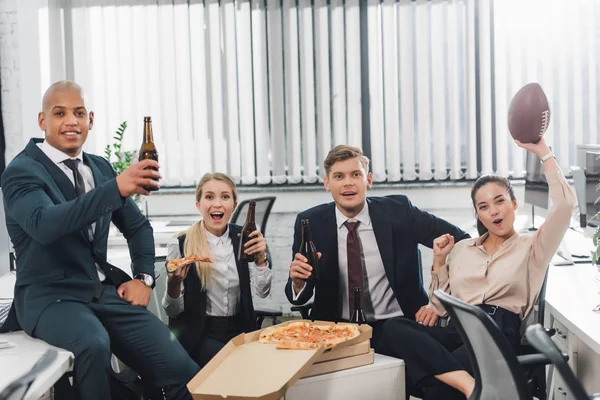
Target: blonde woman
210,303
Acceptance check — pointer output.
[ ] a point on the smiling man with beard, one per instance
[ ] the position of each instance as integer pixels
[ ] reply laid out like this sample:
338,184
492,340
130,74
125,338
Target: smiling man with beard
366,242
59,202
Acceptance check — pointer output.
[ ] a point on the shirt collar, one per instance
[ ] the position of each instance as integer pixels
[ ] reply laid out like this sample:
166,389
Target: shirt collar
363,216
214,239
479,241
56,155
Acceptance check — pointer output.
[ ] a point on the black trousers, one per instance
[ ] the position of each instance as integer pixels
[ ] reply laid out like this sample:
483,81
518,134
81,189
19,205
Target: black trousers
430,351
93,330
217,332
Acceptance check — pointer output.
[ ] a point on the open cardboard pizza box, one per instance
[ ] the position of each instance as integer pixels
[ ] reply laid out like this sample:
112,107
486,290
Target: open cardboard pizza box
246,369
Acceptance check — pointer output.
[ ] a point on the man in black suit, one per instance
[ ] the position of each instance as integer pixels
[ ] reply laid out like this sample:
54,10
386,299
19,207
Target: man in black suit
365,242
59,202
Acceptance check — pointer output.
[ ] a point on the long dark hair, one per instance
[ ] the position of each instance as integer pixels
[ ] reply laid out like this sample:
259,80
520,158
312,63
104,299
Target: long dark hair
481,182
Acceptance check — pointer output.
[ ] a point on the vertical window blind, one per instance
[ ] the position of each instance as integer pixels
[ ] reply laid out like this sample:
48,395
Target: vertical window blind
262,89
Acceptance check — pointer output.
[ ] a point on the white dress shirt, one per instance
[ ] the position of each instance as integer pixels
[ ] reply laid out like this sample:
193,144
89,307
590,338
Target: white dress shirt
223,289
57,157
383,303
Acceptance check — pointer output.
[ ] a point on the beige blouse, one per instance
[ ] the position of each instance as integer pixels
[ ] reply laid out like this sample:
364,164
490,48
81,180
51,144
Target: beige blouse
512,277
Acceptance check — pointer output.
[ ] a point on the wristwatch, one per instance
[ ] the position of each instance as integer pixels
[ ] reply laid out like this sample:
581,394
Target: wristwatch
547,157
146,279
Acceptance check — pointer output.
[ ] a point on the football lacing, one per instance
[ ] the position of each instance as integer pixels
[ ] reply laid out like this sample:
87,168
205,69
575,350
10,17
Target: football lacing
545,121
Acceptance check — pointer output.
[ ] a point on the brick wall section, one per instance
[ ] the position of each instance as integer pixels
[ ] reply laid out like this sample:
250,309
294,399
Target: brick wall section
10,76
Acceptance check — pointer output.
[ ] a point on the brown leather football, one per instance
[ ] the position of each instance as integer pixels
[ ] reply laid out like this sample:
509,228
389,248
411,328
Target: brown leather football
528,114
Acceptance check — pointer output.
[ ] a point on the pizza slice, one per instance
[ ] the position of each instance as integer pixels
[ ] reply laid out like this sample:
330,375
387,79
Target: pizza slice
177,263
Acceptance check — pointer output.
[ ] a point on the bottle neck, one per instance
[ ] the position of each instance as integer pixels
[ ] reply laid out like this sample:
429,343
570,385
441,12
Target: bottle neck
148,137
306,233
357,300
251,213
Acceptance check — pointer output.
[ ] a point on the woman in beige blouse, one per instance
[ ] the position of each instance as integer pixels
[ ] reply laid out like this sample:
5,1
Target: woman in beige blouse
500,271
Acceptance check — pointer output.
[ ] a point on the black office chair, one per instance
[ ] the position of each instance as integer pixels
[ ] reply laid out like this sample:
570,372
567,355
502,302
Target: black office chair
497,370
536,374
538,338
261,214
17,389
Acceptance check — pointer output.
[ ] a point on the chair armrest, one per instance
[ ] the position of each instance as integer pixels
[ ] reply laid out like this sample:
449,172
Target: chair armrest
533,359
537,359
550,331
304,310
268,313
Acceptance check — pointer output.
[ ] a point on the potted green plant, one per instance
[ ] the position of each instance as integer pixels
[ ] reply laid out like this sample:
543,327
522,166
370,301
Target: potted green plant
119,158
114,153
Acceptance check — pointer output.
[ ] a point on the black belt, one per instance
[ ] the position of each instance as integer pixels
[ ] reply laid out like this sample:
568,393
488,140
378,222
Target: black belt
492,310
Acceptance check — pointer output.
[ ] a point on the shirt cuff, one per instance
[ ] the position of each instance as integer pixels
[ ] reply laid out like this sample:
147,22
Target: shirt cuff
440,275
296,296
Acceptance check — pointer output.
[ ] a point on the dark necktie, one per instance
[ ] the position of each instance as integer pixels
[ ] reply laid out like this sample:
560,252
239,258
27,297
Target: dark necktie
355,270
79,190
79,185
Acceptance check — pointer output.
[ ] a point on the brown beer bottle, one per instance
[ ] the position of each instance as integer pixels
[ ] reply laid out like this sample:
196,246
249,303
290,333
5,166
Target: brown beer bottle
148,149
308,250
249,227
359,316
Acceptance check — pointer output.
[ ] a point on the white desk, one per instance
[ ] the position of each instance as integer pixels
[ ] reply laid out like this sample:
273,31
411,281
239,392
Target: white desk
571,294
382,380
18,360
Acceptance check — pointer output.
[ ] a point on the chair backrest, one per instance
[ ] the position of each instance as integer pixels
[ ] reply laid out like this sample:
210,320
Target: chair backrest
497,373
160,287
539,339
17,389
263,209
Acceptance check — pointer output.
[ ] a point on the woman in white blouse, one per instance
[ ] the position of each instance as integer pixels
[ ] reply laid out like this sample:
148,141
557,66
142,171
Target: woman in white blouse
210,303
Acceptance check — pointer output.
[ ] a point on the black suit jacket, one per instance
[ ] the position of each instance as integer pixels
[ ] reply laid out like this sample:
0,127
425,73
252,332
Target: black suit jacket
398,226
48,223
189,325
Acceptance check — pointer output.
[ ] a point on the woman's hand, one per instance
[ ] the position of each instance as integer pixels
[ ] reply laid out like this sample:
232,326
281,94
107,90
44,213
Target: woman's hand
258,247
441,248
540,148
178,276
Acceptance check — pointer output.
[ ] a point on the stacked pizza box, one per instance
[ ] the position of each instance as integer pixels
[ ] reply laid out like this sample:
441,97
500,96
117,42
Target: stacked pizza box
340,358
248,369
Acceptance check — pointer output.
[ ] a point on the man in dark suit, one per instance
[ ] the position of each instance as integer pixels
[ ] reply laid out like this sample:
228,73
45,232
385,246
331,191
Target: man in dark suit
365,242
59,202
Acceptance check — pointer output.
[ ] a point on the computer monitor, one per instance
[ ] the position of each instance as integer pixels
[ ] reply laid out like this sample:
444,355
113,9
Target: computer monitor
586,175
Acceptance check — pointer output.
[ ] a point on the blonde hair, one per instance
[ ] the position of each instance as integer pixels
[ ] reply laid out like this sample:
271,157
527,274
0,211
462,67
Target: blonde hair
195,236
344,152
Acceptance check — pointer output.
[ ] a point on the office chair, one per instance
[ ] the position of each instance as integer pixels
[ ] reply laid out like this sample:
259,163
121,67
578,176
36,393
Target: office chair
538,338
17,389
498,372
262,212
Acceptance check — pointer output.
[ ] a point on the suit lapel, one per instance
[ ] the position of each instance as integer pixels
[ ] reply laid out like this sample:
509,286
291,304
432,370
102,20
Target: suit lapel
382,227
99,179
58,176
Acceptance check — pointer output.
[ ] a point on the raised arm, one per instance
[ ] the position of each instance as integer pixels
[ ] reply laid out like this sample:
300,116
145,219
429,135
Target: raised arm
27,202
550,234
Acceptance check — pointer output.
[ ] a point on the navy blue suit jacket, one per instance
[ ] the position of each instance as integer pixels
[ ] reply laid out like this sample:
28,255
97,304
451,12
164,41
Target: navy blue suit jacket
47,224
398,226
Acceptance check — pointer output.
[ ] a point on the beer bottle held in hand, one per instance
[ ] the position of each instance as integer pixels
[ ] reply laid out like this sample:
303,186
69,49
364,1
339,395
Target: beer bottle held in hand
148,149
308,250
249,227
359,316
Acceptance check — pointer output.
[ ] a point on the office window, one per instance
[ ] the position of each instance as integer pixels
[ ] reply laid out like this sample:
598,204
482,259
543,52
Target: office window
262,89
